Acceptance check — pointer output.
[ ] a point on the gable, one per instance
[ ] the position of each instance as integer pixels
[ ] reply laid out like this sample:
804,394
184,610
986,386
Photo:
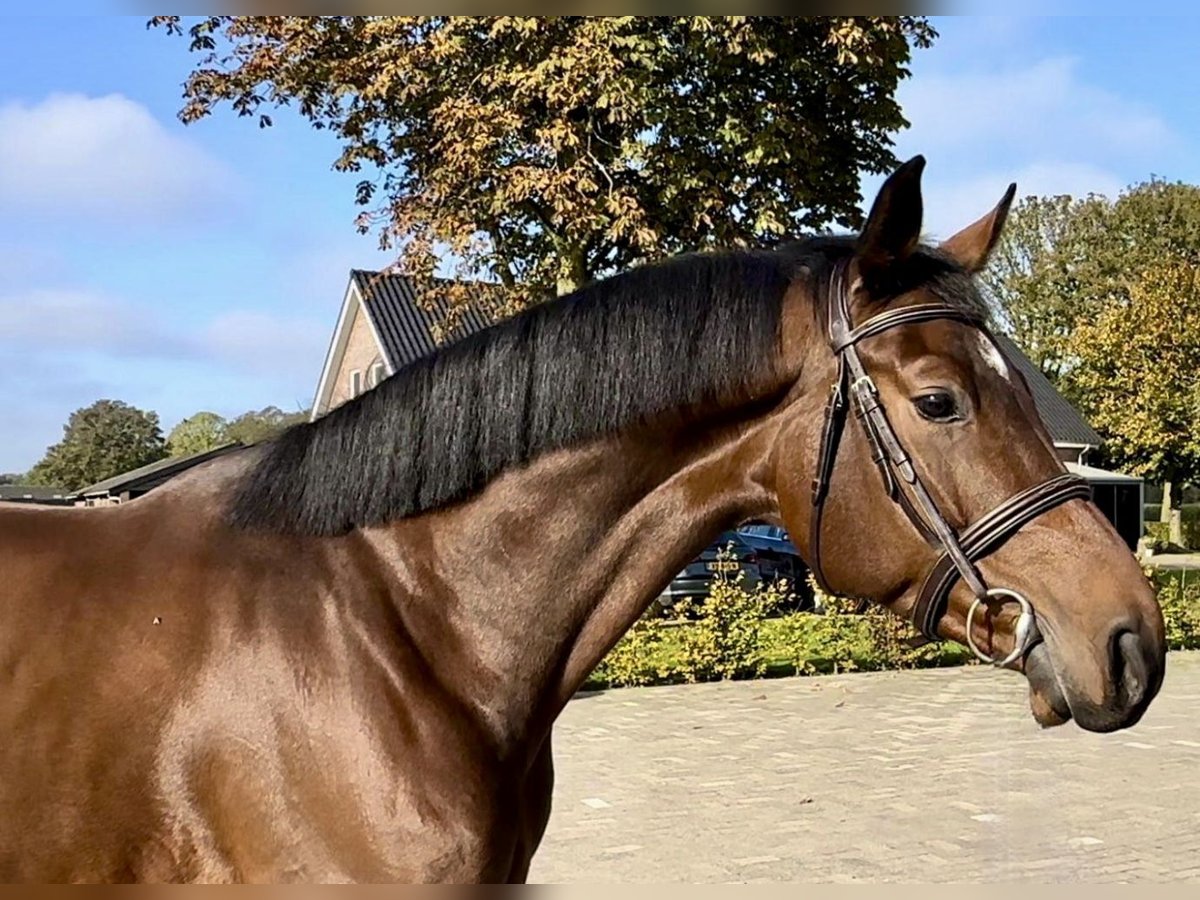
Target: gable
1065,424
406,324
362,363
384,321
355,347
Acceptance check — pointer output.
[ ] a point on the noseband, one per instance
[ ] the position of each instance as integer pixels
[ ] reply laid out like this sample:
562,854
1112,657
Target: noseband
959,550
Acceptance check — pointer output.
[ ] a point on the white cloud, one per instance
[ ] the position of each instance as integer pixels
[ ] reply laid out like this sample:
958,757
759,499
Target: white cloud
1040,125
246,341
1044,109
85,321
63,348
953,204
103,159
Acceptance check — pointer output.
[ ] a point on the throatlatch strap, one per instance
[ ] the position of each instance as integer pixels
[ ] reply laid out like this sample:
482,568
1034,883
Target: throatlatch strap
831,437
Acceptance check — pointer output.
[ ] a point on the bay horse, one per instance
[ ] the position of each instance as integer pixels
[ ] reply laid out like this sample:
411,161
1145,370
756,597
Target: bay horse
338,656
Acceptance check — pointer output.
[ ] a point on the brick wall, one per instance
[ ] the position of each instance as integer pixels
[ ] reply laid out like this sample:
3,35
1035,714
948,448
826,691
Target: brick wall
362,352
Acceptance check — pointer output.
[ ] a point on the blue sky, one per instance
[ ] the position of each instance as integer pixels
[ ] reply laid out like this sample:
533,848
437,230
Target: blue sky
201,267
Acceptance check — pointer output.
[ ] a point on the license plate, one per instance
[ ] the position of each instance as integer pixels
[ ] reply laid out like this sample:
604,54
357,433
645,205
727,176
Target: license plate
723,566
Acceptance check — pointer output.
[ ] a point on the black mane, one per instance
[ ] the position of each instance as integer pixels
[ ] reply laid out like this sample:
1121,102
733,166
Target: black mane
664,337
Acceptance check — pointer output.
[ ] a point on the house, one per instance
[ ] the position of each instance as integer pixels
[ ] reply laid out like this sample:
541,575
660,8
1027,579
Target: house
1073,437
133,484
27,493
1121,498
382,327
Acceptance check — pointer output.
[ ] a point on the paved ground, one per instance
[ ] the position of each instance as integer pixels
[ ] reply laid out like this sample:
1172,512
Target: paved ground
915,776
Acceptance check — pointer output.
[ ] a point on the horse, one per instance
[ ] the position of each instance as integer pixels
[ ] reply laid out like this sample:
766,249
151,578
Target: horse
337,656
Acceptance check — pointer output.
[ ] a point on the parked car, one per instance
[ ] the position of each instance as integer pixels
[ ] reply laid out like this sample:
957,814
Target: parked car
696,579
777,555
778,559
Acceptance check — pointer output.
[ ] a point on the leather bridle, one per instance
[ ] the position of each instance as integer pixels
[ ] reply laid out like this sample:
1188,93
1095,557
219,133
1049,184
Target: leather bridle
960,551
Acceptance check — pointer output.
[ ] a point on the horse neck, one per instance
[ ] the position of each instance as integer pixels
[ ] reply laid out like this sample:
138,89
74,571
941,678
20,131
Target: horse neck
551,564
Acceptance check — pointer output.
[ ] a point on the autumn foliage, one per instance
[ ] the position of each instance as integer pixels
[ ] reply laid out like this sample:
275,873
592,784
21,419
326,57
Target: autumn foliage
541,152
1139,367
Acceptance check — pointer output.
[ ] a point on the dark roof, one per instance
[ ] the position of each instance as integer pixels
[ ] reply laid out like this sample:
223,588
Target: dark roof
1064,422
404,325
155,473
32,493
404,322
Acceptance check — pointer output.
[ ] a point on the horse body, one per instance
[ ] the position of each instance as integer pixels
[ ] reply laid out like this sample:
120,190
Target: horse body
165,715
339,656
266,710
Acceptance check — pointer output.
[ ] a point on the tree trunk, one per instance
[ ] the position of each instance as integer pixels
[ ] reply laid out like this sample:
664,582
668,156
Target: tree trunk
572,270
1175,528
1164,513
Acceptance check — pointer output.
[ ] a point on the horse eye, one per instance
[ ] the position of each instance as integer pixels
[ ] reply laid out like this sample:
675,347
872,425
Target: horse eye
937,406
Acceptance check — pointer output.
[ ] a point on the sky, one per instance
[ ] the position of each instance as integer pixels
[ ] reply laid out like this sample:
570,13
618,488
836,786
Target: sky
183,268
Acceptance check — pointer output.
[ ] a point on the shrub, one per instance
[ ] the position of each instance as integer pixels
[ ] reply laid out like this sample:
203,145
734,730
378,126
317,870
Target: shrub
733,635
1179,598
1191,526
637,659
725,638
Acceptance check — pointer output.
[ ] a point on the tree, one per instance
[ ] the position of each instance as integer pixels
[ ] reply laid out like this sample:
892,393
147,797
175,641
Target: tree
100,441
1047,273
252,427
195,434
543,151
1139,374
1063,261
11,478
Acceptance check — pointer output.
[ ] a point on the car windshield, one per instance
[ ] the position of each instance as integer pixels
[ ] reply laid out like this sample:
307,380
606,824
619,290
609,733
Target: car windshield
771,531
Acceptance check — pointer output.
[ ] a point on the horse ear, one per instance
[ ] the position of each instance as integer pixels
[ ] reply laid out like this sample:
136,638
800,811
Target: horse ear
893,228
972,246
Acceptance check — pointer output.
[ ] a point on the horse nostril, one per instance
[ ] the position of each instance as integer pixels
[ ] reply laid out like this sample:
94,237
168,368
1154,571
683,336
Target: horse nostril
1130,672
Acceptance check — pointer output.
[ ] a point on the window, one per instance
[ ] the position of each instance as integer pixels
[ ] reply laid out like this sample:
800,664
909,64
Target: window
355,382
378,374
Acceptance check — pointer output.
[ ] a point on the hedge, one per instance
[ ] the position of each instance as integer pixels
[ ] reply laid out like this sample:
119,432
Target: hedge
735,634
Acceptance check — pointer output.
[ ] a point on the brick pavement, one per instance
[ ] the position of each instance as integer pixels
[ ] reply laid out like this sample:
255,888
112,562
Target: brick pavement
916,776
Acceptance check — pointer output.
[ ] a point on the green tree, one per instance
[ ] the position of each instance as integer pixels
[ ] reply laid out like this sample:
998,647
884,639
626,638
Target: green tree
1063,261
543,151
195,434
12,478
254,426
1046,274
100,441
1138,372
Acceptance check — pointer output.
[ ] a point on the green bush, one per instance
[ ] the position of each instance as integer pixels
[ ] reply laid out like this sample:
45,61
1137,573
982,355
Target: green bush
639,658
719,638
734,635
1191,525
1179,598
725,637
